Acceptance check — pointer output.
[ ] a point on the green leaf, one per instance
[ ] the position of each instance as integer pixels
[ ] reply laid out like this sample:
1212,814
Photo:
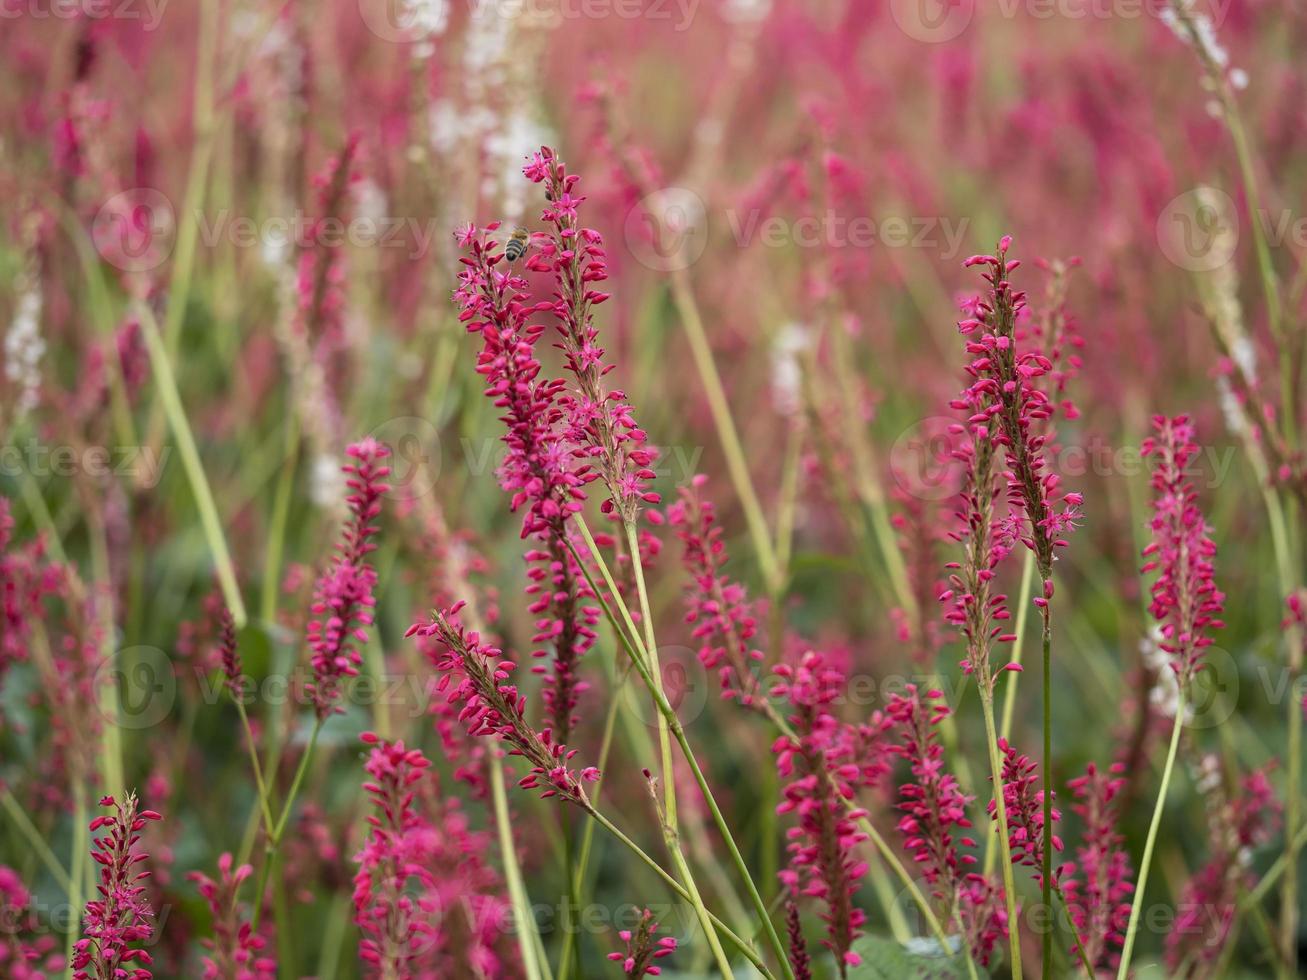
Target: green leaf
886,959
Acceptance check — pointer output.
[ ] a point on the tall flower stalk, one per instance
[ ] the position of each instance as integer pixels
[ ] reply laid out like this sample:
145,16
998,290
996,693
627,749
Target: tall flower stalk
1185,601
1005,368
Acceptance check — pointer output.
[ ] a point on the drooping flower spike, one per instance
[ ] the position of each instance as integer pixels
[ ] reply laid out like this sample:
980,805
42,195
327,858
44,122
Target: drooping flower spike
477,676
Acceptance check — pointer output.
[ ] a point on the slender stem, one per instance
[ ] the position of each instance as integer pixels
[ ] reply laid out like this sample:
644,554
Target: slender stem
166,382
274,840
1138,904
732,449
1046,871
78,872
578,871
1023,609
670,822
35,840
1000,806
197,178
526,923
1276,870
265,802
277,528
722,928
639,656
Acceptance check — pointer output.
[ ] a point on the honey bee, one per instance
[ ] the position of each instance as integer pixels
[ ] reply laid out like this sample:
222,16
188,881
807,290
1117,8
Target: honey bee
517,244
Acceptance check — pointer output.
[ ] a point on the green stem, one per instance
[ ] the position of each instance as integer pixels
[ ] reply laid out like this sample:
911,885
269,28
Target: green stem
265,803
639,656
1046,943
1137,906
166,382
274,841
579,872
732,448
535,968
670,821
80,845
724,930
277,528
1010,688
1000,805
35,840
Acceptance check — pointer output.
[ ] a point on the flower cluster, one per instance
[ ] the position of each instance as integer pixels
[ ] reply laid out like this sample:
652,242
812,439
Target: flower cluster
540,469
973,606
934,815
21,956
475,676
1185,600
598,423
26,579
236,950
1004,391
1236,826
918,525
343,597
718,608
395,926
1097,884
797,946
642,951
121,917
1024,805
425,902
228,653
826,762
